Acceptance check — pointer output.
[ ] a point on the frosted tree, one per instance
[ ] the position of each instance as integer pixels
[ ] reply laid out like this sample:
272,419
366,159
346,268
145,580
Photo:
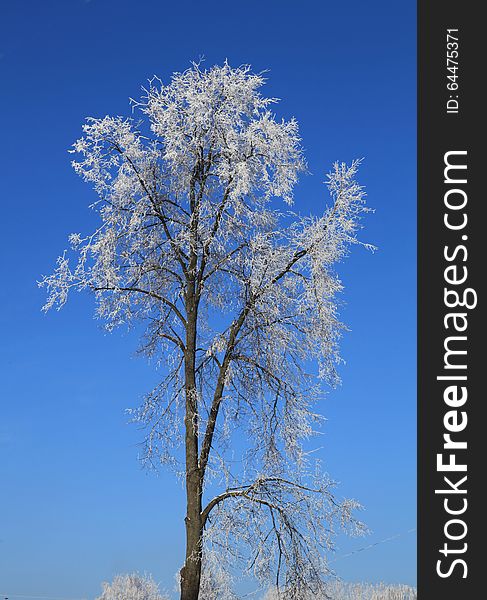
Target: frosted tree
236,293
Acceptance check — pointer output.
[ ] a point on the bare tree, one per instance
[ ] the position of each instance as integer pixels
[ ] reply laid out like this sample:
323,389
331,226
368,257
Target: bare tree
238,297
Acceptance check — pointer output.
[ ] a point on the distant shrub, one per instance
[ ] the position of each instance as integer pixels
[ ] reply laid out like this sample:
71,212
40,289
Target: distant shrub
339,590
131,587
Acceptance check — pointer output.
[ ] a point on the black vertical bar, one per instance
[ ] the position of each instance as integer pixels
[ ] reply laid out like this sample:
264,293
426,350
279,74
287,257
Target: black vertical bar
451,119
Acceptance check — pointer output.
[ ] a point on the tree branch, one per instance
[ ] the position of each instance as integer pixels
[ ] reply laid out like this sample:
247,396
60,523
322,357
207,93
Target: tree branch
154,295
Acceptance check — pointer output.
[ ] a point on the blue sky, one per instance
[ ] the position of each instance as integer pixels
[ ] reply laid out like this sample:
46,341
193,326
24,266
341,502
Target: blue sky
75,507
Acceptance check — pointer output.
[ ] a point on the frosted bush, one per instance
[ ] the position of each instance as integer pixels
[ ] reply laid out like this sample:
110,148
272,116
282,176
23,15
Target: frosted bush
340,590
131,587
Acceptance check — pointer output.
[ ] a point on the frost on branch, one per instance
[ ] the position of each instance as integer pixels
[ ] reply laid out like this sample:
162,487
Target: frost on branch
237,296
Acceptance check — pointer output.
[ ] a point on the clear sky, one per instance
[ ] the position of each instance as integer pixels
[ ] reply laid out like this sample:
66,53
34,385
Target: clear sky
75,507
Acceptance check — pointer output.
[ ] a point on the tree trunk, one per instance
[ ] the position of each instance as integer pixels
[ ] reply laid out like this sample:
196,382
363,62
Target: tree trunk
191,571
190,581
